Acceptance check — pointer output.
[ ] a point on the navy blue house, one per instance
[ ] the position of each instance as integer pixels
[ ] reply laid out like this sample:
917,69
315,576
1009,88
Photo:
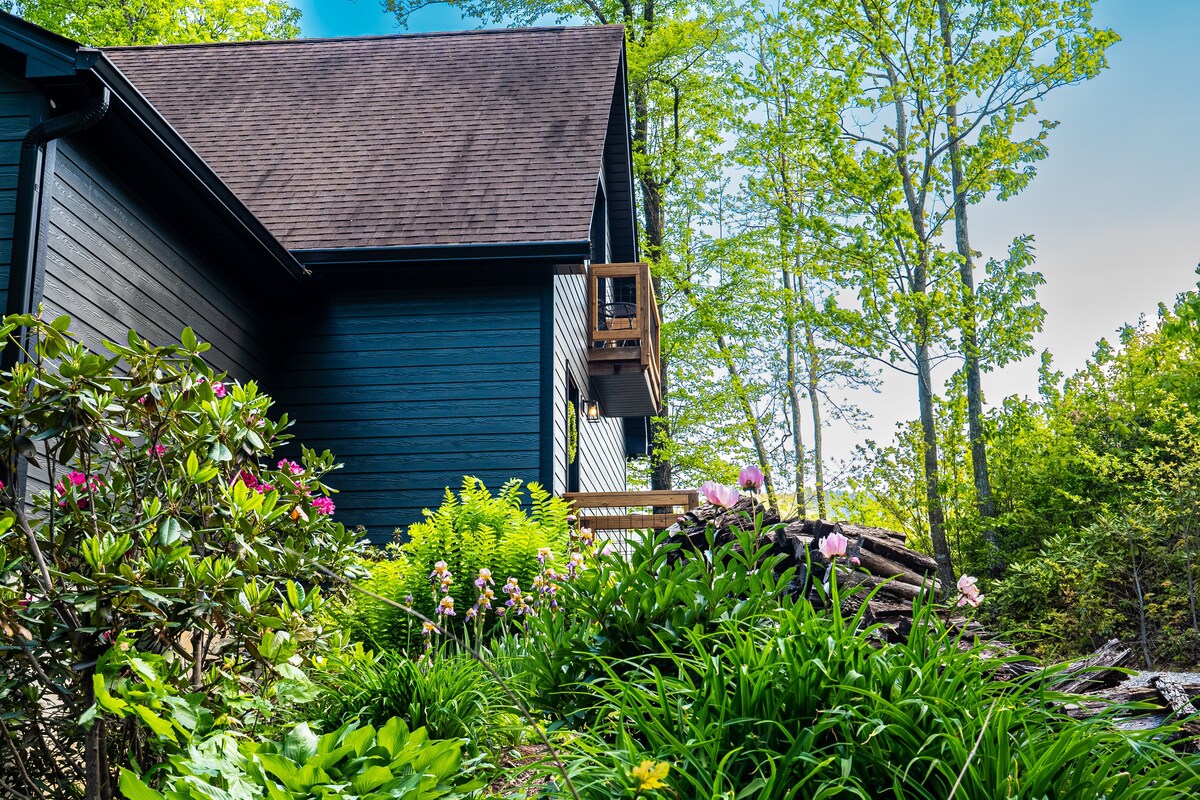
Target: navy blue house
423,246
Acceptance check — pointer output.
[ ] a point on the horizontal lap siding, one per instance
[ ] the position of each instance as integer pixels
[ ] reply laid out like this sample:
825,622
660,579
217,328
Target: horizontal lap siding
412,389
17,104
113,265
601,446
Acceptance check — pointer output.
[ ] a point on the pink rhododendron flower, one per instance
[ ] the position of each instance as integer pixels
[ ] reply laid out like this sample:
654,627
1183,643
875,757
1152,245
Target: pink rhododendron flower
157,450
323,505
76,478
751,478
219,389
833,545
720,495
968,591
290,466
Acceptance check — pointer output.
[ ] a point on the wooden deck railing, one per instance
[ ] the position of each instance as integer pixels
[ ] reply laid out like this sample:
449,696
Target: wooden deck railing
590,501
633,329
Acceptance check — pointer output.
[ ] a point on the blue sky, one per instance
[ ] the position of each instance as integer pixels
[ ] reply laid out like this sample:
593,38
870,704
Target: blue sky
361,17
1115,210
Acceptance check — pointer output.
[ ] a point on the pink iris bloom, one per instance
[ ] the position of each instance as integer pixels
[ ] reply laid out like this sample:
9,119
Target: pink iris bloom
720,495
751,478
833,545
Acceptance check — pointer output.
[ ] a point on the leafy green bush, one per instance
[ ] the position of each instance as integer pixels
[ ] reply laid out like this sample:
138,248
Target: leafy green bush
167,575
452,697
353,762
470,531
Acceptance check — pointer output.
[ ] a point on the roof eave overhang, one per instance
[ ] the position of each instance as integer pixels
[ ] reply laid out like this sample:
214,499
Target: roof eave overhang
543,252
51,57
192,165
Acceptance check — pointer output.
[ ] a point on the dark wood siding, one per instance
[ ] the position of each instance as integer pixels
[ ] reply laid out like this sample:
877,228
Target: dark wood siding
601,446
17,104
113,264
412,388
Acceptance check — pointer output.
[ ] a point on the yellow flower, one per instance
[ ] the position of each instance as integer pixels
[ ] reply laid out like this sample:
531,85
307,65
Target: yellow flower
650,775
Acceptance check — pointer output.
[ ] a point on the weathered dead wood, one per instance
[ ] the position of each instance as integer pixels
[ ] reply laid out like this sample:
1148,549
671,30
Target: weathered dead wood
1099,671
1179,701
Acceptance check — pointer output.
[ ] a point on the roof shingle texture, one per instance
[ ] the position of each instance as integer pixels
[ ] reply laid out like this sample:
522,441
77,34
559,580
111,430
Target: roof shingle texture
460,138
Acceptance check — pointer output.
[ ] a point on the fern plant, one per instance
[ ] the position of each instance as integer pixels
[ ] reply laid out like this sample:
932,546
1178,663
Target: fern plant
472,530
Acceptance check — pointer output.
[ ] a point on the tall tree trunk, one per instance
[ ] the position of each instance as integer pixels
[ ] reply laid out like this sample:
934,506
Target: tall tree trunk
813,375
933,496
970,320
918,285
653,240
793,381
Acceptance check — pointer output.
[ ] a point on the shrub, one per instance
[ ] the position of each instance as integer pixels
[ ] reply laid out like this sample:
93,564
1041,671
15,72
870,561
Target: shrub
470,531
165,582
352,762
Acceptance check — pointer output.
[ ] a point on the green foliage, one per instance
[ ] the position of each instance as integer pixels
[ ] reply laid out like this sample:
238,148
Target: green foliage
711,677
142,22
636,605
452,697
472,530
165,582
353,762
792,707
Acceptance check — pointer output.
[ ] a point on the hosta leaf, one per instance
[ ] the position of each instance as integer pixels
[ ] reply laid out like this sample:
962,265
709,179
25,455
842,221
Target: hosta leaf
300,743
370,779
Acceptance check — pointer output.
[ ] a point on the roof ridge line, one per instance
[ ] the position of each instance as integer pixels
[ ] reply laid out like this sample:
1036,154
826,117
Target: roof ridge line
370,37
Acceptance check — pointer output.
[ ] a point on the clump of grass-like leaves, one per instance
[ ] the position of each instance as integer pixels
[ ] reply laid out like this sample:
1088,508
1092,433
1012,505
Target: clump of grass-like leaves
796,702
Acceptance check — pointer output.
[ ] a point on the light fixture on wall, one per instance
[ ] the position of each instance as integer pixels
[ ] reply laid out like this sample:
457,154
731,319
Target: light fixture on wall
591,410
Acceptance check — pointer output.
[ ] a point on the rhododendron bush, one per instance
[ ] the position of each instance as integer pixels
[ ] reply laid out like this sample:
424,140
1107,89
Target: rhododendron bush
164,579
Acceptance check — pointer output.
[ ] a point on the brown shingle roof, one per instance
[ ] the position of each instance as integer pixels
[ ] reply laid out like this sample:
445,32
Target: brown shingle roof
469,137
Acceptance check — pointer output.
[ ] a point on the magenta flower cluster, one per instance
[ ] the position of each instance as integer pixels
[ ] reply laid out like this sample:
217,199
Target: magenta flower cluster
247,477
78,482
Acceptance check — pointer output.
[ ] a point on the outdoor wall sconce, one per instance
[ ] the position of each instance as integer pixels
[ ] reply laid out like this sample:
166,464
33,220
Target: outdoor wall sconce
591,410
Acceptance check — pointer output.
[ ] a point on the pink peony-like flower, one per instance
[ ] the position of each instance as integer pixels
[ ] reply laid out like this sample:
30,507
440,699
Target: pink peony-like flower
833,545
968,591
751,478
323,505
719,494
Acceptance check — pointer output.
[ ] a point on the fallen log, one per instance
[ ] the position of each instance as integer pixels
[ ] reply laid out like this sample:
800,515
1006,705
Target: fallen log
1101,670
1182,709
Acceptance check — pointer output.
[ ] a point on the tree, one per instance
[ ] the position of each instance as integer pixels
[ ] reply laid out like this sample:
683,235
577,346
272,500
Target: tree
674,49
782,146
997,60
108,23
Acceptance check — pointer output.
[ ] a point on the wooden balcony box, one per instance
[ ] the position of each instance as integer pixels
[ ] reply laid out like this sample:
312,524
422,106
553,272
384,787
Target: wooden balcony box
623,359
